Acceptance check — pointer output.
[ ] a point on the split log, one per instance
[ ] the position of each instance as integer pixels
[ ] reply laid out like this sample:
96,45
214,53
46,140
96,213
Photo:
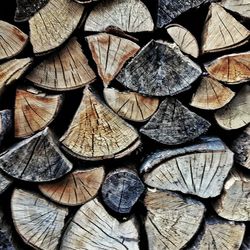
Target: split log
199,169
159,69
36,159
222,31
171,220
131,105
5,124
241,7
12,40
174,124
96,132
76,188
121,189
211,95
110,53
38,221
236,114
86,1
184,39
129,16
5,182
53,24
93,228
64,70
34,110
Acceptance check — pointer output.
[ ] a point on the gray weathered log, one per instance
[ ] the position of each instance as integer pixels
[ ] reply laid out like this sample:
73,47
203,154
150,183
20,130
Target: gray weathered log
159,69
6,123
5,182
246,243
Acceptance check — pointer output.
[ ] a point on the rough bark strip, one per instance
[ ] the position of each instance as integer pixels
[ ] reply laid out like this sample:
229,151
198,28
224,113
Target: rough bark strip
6,124
242,7
5,182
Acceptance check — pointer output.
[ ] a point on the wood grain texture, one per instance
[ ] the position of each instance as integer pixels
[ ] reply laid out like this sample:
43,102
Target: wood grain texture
76,188
36,159
127,15
171,220
53,24
222,31
174,124
64,70
159,69
93,228
6,124
241,7
110,53
38,221
96,132
5,182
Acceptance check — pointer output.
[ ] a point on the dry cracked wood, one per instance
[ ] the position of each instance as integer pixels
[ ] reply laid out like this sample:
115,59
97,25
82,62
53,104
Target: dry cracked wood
110,53
5,182
64,70
6,124
184,39
96,132
131,105
242,7
93,228
53,24
231,69
199,169
174,124
211,95
127,15
171,220
34,110
159,69
12,40
76,188
36,159
222,31
235,114
38,221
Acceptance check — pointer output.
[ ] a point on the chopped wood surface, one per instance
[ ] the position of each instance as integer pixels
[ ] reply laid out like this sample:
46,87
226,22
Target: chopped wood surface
6,124
241,7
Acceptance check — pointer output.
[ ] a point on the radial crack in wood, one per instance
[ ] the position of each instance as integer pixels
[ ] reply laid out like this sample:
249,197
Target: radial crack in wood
38,221
6,124
110,53
242,7
76,188
5,182
36,159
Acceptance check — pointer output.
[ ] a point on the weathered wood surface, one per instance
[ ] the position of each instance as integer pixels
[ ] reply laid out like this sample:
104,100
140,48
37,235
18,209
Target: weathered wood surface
130,16
246,243
86,1
93,228
222,31
241,7
6,124
5,182
110,53
76,188
171,220
36,159
174,124
159,69
38,221
96,132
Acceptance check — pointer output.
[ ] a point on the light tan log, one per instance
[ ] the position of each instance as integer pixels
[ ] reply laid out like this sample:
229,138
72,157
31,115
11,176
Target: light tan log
93,228
5,182
110,53
222,31
131,105
38,221
242,7
76,188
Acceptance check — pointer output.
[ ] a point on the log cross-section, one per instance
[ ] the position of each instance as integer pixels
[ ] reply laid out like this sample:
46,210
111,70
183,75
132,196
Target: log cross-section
241,7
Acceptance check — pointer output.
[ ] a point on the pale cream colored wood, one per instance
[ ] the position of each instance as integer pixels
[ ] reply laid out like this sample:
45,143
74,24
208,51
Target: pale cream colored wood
242,7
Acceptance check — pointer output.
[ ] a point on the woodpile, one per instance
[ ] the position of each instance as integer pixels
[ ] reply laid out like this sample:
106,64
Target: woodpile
125,124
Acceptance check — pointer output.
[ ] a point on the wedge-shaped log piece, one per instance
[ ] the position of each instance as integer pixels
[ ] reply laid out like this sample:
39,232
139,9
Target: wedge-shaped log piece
174,124
184,39
36,159
171,220
159,69
5,182
96,132
211,95
199,169
38,221
242,7
231,69
6,124
93,228
34,110
64,70
53,24
110,54
235,114
76,188
131,105
12,40
219,234
127,15
222,31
